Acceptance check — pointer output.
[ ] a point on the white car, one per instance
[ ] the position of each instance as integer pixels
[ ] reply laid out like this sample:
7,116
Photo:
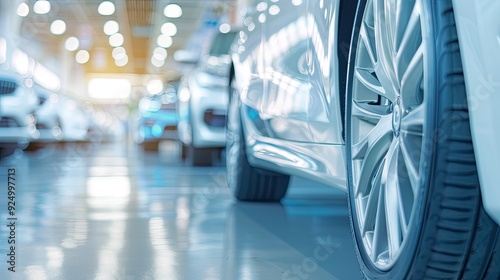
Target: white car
392,101
48,120
17,104
74,121
203,102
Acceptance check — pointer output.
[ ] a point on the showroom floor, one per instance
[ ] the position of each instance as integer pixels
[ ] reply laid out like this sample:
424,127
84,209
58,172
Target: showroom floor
115,212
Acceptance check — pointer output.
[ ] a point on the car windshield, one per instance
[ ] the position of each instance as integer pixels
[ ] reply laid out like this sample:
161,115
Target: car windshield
222,43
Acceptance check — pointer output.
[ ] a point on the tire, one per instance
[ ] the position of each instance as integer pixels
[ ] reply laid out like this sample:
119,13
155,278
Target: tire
247,182
7,150
184,151
150,145
414,197
201,156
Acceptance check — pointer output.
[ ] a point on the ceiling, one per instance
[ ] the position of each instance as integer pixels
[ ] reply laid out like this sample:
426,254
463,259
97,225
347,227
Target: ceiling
140,22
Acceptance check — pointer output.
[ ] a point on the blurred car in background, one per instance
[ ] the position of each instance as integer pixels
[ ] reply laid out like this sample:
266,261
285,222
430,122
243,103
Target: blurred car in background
203,102
157,119
47,117
104,127
17,104
60,118
74,121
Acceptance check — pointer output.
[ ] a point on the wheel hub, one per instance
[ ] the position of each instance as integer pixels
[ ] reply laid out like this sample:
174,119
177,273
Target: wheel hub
396,117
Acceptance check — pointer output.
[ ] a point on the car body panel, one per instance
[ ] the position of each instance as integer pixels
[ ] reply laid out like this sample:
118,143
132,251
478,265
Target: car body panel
47,117
288,89
479,34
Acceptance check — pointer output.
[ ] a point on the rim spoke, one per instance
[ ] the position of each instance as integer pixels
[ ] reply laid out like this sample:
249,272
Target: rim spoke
413,122
412,33
390,179
378,141
367,34
371,204
411,167
380,231
403,16
368,112
412,79
366,77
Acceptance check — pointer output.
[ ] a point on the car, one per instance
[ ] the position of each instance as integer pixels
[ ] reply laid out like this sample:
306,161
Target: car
203,102
74,121
158,119
17,105
47,117
393,102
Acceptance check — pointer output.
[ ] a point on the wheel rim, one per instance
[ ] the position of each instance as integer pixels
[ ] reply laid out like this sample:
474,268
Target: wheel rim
387,124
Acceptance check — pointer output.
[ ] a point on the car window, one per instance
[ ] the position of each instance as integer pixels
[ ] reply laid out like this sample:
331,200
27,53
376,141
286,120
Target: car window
222,43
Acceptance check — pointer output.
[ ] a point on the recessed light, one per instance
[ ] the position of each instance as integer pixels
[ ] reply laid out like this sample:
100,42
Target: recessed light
111,27
58,27
106,8
82,56
172,11
23,10
72,44
41,7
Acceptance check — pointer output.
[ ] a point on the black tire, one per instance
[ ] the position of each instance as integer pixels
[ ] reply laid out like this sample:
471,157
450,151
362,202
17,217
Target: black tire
7,150
247,182
150,145
201,156
450,235
184,151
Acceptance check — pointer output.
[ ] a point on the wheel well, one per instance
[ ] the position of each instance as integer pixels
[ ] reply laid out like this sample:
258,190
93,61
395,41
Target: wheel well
347,14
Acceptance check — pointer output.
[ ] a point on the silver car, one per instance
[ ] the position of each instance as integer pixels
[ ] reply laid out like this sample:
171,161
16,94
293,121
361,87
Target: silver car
203,102
392,101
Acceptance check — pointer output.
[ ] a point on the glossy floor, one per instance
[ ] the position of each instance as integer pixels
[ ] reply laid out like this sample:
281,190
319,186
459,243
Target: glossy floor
115,212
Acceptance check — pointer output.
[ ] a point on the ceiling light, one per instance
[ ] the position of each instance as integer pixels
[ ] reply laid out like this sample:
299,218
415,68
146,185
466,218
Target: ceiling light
164,41
119,52
41,7
274,10
82,56
157,62
172,11
58,27
297,2
154,86
72,44
169,29
23,10
106,8
160,53
224,28
111,27
116,40
122,61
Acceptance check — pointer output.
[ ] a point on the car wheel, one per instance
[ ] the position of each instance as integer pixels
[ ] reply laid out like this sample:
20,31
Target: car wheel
7,149
152,145
245,181
184,151
414,196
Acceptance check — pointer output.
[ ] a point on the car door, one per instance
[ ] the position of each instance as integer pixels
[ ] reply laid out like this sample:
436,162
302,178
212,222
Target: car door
324,114
285,75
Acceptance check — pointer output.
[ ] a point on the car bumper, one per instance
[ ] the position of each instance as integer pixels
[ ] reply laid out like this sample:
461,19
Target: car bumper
208,117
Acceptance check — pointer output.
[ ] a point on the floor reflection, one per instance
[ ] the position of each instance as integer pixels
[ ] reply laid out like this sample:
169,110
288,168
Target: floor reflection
116,212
